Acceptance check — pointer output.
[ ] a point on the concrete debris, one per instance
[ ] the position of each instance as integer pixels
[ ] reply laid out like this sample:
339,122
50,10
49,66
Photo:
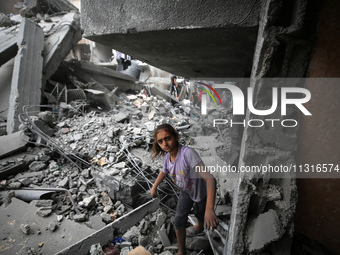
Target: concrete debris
80,217
52,226
15,142
265,229
42,203
96,249
38,45
164,237
19,215
44,211
27,251
112,148
25,228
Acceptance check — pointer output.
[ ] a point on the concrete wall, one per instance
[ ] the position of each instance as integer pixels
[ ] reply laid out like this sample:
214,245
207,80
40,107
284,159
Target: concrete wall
318,207
7,6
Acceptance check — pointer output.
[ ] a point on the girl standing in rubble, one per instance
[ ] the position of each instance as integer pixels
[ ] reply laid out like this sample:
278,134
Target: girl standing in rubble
198,187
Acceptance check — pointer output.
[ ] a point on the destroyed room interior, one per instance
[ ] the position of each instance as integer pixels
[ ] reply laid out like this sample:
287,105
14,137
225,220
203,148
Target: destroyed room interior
84,85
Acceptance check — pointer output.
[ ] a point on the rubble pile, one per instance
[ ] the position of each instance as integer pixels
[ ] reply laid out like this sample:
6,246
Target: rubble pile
32,46
100,161
84,158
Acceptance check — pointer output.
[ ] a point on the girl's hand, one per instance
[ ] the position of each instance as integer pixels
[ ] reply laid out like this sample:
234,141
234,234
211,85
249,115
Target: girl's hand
153,192
210,220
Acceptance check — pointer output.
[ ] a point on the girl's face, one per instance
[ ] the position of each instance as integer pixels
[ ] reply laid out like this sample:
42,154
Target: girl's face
167,141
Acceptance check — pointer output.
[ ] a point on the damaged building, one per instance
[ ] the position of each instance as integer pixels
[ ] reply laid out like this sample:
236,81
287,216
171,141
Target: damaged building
85,83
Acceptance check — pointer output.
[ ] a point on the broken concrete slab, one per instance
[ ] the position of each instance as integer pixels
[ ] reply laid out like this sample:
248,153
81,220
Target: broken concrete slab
8,44
121,225
164,237
15,143
155,91
109,78
27,72
93,68
66,33
265,229
12,165
19,212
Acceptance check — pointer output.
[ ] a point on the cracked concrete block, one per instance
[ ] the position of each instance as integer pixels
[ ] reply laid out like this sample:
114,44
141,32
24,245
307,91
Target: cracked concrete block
15,185
89,201
44,211
37,166
42,203
164,237
79,217
97,222
96,249
265,229
106,217
120,165
63,183
15,142
120,117
132,232
161,217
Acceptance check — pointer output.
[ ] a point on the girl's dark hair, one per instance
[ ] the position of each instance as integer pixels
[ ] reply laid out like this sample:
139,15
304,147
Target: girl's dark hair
156,149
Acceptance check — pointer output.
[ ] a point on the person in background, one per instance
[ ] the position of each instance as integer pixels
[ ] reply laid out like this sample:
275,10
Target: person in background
187,171
195,97
174,86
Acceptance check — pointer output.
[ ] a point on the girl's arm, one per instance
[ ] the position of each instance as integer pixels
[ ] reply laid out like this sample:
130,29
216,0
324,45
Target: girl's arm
159,179
210,219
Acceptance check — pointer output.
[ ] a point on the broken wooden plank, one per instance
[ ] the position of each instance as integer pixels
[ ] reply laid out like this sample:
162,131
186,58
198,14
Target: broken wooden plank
107,233
27,72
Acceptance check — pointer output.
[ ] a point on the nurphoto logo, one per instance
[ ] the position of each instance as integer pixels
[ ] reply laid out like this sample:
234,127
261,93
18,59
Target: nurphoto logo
238,104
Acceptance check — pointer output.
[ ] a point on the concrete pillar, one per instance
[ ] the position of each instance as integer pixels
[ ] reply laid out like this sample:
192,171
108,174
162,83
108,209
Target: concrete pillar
280,52
27,72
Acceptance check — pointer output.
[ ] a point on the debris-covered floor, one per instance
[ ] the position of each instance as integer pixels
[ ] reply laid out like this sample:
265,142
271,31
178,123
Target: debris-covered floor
100,163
